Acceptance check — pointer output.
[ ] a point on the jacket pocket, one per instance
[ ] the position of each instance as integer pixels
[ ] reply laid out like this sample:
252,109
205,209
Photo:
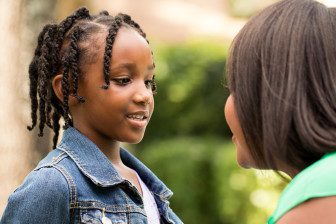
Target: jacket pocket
95,216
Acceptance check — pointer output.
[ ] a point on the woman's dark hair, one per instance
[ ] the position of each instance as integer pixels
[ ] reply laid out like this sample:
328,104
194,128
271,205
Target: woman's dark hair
282,74
65,49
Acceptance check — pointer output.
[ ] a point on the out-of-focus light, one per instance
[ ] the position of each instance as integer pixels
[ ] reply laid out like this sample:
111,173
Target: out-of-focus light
328,3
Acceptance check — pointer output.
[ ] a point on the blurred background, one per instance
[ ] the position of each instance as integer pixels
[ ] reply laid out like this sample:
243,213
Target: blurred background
187,144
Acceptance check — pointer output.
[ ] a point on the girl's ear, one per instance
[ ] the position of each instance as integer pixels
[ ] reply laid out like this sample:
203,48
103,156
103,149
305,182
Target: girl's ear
57,87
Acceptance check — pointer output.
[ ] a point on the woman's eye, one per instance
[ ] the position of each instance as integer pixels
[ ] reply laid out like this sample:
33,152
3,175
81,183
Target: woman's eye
122,81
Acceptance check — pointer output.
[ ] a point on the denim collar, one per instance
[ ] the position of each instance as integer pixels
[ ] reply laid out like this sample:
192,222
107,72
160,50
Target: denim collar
96,166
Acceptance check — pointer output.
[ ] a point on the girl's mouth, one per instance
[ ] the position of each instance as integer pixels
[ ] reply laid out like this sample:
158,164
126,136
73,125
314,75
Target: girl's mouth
138,119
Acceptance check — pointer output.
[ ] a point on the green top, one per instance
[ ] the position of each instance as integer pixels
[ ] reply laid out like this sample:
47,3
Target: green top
317,180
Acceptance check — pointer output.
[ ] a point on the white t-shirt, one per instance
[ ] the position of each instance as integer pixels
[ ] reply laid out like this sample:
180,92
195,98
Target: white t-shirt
153,215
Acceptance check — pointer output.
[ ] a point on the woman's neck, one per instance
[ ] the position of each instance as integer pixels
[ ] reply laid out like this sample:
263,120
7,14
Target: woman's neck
290,171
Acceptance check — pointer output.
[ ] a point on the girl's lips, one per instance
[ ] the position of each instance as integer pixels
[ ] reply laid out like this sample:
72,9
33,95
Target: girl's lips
137,123
138,119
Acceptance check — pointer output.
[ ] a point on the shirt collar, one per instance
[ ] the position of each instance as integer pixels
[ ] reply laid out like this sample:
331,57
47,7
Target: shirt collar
96,166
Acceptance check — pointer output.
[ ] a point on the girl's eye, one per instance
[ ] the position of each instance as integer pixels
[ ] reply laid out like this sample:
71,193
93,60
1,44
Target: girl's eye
122,81
151,84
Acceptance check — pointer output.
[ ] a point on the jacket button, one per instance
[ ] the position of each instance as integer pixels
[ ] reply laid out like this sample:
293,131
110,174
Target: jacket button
106,220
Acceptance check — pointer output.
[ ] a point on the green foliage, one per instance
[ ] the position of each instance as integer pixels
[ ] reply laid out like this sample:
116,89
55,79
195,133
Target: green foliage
191,92
208,186
247,8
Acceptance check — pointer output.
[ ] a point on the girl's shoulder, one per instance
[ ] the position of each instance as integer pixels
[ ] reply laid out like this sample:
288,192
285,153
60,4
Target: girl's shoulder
47,181
317,180
43,197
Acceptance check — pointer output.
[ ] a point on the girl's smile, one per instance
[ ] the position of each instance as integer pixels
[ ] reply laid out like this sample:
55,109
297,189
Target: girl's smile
139,119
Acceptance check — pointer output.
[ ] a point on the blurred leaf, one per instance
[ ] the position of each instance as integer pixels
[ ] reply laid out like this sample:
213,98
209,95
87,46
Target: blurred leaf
247,8
191,93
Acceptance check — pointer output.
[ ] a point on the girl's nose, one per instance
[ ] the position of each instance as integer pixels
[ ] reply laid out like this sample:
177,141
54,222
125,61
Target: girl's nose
143,95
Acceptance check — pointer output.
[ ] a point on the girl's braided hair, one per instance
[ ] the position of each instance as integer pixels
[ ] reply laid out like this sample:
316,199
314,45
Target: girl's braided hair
63,49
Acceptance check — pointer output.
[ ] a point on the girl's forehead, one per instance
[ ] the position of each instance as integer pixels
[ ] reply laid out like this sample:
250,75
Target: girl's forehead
125,37
130,36
128,47
130,44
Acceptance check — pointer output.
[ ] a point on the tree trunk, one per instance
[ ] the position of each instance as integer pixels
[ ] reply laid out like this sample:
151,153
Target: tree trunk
15,141
20,150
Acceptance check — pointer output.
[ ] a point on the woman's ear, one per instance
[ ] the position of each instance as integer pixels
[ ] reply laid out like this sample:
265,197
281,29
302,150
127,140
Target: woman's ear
57,86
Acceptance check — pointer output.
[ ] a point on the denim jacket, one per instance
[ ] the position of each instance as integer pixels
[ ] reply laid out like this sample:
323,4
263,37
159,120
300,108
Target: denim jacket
76,183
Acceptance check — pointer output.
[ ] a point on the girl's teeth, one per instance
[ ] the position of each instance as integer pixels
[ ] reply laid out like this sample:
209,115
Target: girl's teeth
139,117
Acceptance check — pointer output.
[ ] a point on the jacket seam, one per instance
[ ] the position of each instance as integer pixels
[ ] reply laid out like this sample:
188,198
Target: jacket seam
58,158
54,161
72,186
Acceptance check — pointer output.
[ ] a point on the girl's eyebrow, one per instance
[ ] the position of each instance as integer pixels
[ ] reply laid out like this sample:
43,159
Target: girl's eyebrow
132,66
129,66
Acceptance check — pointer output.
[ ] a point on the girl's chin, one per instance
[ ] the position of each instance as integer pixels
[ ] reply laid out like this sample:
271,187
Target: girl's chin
134,140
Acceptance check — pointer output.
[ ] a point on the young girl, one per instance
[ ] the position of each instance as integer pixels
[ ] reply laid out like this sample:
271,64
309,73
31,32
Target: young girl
282,107
97,72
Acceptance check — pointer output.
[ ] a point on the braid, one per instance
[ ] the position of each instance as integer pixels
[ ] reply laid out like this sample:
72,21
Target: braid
44,74
58,112
65,92
54,64
74,58
112,32
71,65
33,77
56,117
81,13
49,108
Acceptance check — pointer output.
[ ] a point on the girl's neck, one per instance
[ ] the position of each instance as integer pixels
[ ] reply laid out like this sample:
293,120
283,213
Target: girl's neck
112,152
110,148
